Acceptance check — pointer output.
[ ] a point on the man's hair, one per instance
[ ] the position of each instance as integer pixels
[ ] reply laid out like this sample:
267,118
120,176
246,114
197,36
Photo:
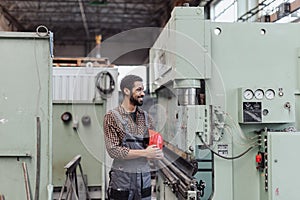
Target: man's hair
128,82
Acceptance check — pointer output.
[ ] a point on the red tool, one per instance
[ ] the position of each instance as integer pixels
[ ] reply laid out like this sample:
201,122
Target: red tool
156,139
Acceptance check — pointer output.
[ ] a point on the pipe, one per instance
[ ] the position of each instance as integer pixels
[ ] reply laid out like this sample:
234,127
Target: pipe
24,166
173,179
38,159
182,192
103,181
181,175
177,185
85,25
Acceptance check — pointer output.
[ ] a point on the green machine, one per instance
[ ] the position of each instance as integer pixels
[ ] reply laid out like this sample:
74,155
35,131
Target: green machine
229,108
49,116
81,97
25,115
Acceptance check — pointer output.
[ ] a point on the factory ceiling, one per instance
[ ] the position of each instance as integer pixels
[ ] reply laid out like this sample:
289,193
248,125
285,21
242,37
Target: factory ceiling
79,21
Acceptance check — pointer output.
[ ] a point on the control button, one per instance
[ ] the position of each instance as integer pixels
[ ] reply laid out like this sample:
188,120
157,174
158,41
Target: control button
258,158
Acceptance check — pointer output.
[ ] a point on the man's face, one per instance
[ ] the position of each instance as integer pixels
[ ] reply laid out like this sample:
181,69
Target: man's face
137,94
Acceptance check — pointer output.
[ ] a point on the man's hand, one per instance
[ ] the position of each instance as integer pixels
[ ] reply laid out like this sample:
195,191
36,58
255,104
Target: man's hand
153,152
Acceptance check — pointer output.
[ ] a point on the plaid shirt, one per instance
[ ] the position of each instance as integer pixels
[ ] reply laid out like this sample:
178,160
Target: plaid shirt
114,131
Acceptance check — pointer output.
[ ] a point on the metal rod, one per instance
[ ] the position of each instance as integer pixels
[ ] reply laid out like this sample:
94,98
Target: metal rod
181,175
70,188
74,185
74,174
168,173
38,159
85,184
84,21
177,151
182,191
62,189
28,195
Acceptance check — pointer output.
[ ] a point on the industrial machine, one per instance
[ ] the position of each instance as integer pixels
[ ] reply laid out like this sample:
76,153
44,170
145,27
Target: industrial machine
51,121
228,95
228,109
25,115
81,97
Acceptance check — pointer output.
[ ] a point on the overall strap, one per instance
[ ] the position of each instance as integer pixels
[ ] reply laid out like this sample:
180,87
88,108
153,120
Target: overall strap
146,119
124,123
146,134
117,114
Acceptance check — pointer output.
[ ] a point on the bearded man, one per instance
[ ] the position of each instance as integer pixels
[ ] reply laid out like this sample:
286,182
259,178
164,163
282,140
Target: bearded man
126,138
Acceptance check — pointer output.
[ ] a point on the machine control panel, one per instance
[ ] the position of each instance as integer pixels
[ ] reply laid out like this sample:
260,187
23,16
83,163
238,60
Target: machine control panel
266,105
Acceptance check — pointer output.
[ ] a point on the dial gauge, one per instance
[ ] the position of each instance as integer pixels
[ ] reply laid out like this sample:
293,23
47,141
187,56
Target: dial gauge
270,94
248,94
259,94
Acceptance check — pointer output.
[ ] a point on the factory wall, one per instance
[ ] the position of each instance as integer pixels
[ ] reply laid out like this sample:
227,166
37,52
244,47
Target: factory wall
69,50
136,57
128,48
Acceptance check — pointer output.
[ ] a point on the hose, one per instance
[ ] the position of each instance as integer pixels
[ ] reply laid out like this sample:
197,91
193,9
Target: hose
224,157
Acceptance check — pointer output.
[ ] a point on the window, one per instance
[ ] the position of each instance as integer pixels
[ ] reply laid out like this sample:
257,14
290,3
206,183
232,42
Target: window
225,11
272,8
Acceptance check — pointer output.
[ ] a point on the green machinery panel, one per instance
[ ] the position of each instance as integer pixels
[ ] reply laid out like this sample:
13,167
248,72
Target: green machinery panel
284,166
172,53
69,141
25,116
78,111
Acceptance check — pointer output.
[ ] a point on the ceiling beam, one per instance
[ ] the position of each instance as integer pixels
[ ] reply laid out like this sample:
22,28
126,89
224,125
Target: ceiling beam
11,19
83,17
57,13
133,2
77,20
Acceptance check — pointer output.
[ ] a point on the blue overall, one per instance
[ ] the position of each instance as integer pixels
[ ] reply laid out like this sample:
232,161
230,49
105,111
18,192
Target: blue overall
130,179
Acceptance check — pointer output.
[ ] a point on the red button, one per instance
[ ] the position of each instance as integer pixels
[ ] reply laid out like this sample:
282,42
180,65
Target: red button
258,158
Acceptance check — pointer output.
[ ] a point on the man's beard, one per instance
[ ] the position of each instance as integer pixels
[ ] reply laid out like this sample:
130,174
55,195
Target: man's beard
135,101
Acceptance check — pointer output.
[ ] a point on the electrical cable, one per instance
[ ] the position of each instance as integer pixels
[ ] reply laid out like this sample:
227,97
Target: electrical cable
105,91
239,143
239,130
224,157
248,138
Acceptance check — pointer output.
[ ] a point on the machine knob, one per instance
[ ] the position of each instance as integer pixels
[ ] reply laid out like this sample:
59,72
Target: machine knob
86,120
66,117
